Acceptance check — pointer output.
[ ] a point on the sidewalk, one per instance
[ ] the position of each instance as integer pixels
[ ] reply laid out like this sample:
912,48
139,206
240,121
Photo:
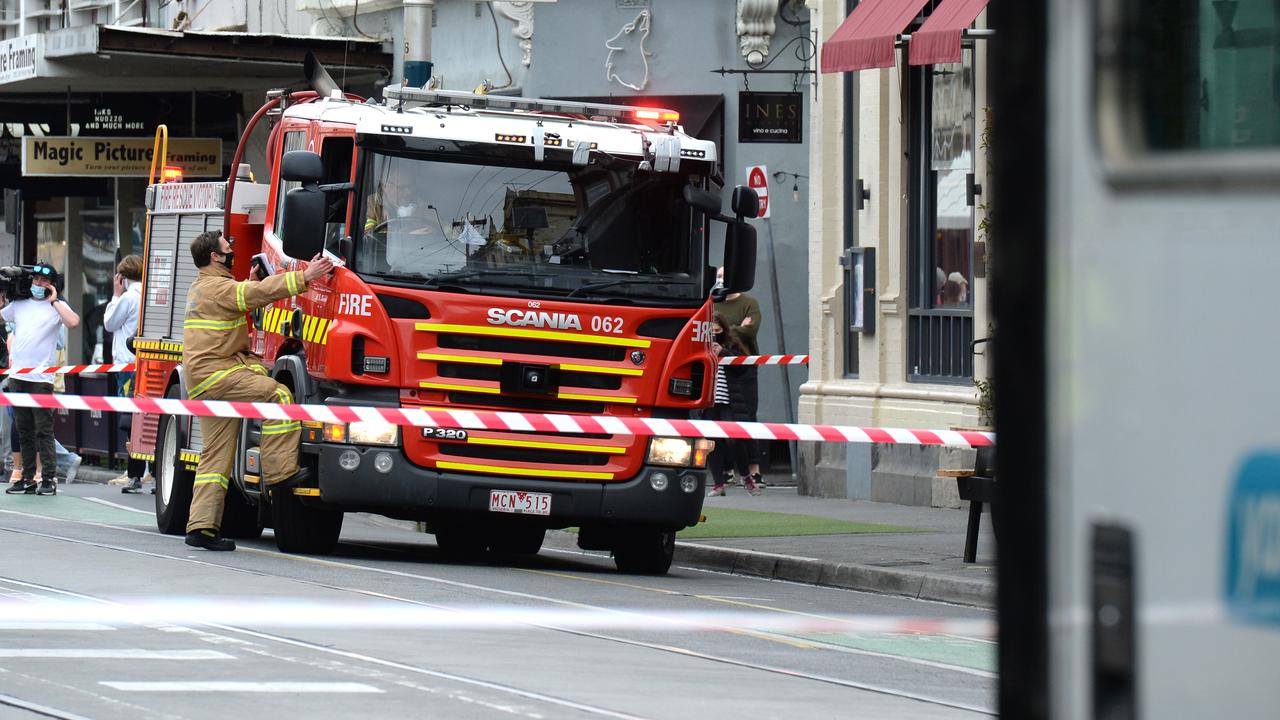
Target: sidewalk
927,565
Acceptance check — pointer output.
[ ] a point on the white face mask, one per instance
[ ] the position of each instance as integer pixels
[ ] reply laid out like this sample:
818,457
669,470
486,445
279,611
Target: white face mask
38,292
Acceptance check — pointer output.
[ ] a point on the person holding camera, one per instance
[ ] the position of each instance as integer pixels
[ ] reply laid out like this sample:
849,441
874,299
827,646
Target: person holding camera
220,366
37,323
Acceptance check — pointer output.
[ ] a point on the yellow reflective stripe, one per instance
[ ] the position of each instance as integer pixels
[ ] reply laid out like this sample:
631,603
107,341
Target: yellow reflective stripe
462,388
291,280
439,357
539,445
257,369
527,472
240,301
209,381
505,331
596,398
600,370
203,324
287,427
307,492
283,395
211,479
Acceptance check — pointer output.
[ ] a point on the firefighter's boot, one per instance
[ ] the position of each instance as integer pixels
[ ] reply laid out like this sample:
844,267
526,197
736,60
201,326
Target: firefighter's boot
209,540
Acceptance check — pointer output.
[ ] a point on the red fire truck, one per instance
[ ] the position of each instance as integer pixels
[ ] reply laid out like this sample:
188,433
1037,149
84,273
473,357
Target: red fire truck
498,253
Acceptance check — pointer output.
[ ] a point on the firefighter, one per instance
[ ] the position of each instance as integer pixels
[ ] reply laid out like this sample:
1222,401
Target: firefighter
219,366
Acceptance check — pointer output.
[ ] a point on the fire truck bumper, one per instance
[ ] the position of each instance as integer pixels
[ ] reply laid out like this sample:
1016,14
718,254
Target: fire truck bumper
407,489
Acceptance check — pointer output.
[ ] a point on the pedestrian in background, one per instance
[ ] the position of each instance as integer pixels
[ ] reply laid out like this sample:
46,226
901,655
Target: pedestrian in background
37,323
741,312
121,320
730,404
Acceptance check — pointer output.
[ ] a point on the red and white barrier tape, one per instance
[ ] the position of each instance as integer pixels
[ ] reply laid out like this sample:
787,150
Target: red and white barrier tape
765,360
505,421
129,367
72,369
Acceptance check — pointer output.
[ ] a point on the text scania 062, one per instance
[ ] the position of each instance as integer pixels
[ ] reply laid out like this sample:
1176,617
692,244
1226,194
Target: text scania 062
496,254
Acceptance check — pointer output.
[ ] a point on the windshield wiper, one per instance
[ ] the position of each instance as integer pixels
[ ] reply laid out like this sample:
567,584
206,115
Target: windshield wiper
627,281
468,274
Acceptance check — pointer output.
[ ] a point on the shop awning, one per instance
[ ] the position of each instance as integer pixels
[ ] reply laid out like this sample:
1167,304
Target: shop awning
865,39
938,40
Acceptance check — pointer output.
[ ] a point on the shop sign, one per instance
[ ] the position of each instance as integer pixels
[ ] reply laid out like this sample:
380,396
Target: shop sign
770,117
18,58
117,157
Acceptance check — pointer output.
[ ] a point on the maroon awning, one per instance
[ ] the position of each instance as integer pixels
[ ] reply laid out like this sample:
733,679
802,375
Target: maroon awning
938,40
865,39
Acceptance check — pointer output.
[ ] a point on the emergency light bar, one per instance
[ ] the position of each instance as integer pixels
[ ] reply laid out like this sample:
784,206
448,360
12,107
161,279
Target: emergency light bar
624,113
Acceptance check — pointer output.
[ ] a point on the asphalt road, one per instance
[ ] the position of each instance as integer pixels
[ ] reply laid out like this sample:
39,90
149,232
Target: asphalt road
105,618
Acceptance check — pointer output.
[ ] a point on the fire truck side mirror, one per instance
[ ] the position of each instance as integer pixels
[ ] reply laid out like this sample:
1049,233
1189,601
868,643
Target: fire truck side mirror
739,256
746,203
301,166
303,233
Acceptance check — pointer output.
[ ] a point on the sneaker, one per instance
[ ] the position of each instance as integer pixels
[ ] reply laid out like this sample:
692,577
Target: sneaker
75,468
135,485
716,491
122,480
209,540
751,482
47,487
22,487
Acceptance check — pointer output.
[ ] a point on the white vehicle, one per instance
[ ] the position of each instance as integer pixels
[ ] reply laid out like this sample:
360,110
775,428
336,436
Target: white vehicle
1138,163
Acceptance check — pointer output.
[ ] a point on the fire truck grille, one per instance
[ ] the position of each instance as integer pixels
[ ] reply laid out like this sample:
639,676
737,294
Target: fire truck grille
463,371
550,457
533,404
518,346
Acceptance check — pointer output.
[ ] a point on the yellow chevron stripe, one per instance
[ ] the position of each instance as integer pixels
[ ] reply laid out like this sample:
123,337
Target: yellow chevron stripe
537,334
538,445
600,370
440,357
462,388
528,472
142,456
189,456
596,398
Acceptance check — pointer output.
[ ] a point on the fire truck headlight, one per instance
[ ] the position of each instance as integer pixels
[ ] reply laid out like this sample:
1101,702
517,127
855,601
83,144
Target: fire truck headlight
659,481
373,432
675,452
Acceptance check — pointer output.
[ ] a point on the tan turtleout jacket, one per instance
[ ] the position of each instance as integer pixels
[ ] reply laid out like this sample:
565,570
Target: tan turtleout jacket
215,336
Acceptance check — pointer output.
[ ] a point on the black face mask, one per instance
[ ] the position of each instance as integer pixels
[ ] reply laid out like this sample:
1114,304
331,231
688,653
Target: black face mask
228,259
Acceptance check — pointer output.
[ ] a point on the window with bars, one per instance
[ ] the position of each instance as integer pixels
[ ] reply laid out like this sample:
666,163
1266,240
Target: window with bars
940,165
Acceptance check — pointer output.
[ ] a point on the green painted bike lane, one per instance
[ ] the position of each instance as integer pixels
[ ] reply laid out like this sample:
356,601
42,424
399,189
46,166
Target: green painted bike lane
70,507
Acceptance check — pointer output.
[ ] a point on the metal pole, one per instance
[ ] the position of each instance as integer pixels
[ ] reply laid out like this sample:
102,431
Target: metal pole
417,42
782,341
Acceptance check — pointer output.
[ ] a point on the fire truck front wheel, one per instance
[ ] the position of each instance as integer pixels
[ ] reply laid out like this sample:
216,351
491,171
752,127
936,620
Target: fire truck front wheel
173,479
644,551
303,528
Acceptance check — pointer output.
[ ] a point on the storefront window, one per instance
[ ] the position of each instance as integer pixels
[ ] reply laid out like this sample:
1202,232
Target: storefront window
951,161
940,165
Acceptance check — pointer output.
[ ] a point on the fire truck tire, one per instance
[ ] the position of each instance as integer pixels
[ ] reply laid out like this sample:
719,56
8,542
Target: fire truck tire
302,528
460,542
518,541
240,517
174,481
645,551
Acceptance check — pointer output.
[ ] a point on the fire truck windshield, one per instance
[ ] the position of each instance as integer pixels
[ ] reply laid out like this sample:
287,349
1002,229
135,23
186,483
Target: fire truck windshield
544,229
